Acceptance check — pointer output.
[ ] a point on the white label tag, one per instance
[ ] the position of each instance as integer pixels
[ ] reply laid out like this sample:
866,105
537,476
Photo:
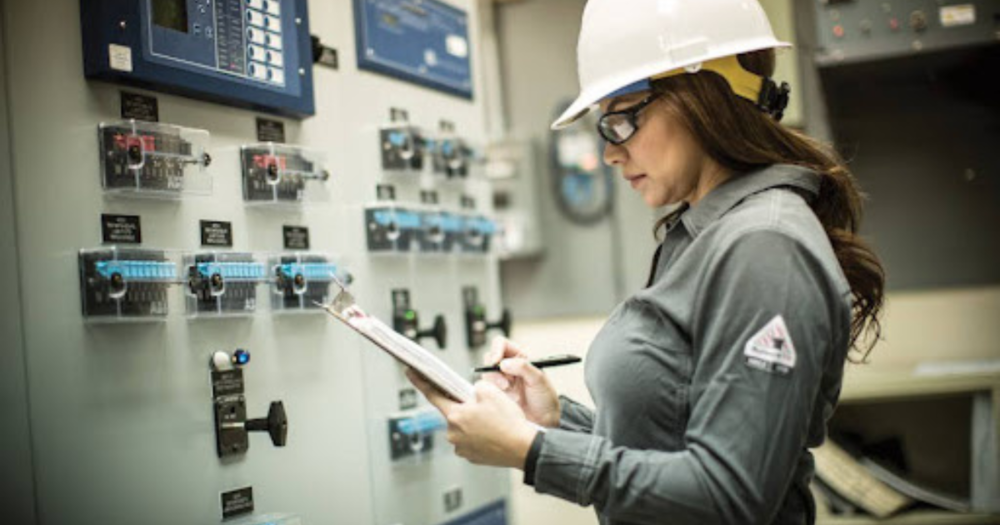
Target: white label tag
120,57
771,348
457,46
958,15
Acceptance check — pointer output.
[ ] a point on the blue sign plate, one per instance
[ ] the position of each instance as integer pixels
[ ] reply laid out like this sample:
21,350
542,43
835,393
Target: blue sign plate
421,41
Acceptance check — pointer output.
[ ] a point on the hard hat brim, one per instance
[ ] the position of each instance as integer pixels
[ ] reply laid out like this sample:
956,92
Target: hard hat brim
588,99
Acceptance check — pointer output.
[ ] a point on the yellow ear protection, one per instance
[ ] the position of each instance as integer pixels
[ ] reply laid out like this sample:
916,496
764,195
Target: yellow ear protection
768,96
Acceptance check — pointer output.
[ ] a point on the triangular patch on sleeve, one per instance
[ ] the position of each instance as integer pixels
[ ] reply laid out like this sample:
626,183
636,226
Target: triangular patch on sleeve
771,349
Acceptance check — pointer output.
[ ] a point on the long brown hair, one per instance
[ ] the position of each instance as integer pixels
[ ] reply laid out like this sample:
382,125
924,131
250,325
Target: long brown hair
742,138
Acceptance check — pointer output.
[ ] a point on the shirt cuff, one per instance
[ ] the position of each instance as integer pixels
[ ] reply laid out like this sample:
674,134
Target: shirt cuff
532,460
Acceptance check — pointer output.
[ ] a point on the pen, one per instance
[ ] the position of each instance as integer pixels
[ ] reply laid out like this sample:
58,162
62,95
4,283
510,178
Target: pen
545,362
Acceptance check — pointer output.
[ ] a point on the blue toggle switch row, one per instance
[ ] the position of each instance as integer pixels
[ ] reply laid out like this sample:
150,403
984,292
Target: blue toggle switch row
233,271
311,271
138,270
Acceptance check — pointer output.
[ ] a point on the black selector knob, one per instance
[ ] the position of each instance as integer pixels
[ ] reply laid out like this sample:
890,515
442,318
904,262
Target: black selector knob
439,332
275,424
503,324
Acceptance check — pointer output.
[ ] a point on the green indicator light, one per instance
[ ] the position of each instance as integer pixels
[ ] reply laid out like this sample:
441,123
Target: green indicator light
410,315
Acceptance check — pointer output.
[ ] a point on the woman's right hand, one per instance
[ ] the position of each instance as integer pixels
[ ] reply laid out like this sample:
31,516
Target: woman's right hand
528,386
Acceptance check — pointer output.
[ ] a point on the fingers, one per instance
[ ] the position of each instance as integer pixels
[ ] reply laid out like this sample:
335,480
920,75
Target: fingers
497,379
486,390
501,348
520,367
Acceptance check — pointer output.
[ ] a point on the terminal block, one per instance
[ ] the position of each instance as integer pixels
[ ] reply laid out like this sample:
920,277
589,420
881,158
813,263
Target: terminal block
278,173
403,147
390,228
151,159
431,235
476,324
222,283
477,232
451,157
412,433
406,321
301,280
122,284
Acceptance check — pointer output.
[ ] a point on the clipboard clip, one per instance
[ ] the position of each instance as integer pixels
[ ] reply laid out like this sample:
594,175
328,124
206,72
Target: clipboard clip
341,302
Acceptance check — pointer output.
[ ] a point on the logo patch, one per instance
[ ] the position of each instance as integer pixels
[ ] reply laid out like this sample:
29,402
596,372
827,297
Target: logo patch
771,349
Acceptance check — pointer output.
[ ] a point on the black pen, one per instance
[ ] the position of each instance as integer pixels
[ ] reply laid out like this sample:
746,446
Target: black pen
545,362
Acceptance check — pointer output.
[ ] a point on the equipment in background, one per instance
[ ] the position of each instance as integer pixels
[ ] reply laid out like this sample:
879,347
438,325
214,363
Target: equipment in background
476,324
582,184
912,102
852,31
511,170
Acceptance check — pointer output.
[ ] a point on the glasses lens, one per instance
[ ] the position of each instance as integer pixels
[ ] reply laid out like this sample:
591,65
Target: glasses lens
616,128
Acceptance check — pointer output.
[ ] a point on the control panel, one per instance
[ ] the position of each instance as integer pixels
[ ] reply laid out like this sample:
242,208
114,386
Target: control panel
250,53
861,30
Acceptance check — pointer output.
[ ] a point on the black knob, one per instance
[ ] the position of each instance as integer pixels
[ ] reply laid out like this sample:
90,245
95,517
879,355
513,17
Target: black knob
439,332
504,324
275,424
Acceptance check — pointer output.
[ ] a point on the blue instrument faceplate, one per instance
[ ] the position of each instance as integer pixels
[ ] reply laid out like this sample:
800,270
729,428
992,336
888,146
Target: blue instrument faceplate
248,53
421,41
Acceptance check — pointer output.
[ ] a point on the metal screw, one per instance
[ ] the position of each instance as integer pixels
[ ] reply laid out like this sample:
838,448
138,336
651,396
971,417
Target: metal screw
122,25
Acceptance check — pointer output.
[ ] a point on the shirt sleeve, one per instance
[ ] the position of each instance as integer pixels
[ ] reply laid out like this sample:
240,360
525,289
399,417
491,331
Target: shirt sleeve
748,423
574,416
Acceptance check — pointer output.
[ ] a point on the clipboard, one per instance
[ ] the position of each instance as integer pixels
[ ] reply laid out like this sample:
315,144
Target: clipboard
436,371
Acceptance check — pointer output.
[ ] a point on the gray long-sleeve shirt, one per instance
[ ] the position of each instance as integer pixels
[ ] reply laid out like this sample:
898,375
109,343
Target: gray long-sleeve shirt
712,383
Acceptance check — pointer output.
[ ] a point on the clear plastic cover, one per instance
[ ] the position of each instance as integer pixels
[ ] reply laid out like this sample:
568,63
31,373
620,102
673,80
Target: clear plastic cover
301,280
451,156
154,160
477,233
119,284
267,519
403,148
431,235
281,173
412,435
222,283
391,228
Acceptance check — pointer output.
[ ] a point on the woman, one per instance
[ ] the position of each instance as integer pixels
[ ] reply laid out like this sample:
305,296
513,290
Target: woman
712,383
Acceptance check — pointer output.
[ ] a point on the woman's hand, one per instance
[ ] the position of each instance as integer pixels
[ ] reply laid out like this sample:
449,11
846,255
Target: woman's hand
526,385
489,430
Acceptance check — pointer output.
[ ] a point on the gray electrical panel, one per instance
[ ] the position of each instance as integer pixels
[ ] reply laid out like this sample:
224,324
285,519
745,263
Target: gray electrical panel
172,252
849,31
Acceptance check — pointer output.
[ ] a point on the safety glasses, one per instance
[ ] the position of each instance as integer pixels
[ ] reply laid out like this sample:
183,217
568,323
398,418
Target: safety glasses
618,126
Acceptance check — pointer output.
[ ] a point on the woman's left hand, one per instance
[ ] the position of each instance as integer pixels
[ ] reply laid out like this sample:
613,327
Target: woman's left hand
489,430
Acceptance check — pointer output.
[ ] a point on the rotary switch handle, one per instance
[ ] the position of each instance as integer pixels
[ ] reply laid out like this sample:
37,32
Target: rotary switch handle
275,424
439,332
503,324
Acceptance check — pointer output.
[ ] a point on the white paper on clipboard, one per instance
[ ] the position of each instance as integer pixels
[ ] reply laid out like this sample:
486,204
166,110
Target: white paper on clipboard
402,349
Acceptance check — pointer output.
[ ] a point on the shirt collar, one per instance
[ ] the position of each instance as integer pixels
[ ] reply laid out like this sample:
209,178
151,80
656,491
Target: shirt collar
731,192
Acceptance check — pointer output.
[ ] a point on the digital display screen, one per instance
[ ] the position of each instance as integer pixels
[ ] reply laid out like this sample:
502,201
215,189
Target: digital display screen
171,14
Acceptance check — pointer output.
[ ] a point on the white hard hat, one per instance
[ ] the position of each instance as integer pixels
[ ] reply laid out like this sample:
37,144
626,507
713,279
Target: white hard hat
625,43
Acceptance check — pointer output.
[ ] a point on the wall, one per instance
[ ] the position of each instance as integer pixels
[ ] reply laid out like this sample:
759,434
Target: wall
17,482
